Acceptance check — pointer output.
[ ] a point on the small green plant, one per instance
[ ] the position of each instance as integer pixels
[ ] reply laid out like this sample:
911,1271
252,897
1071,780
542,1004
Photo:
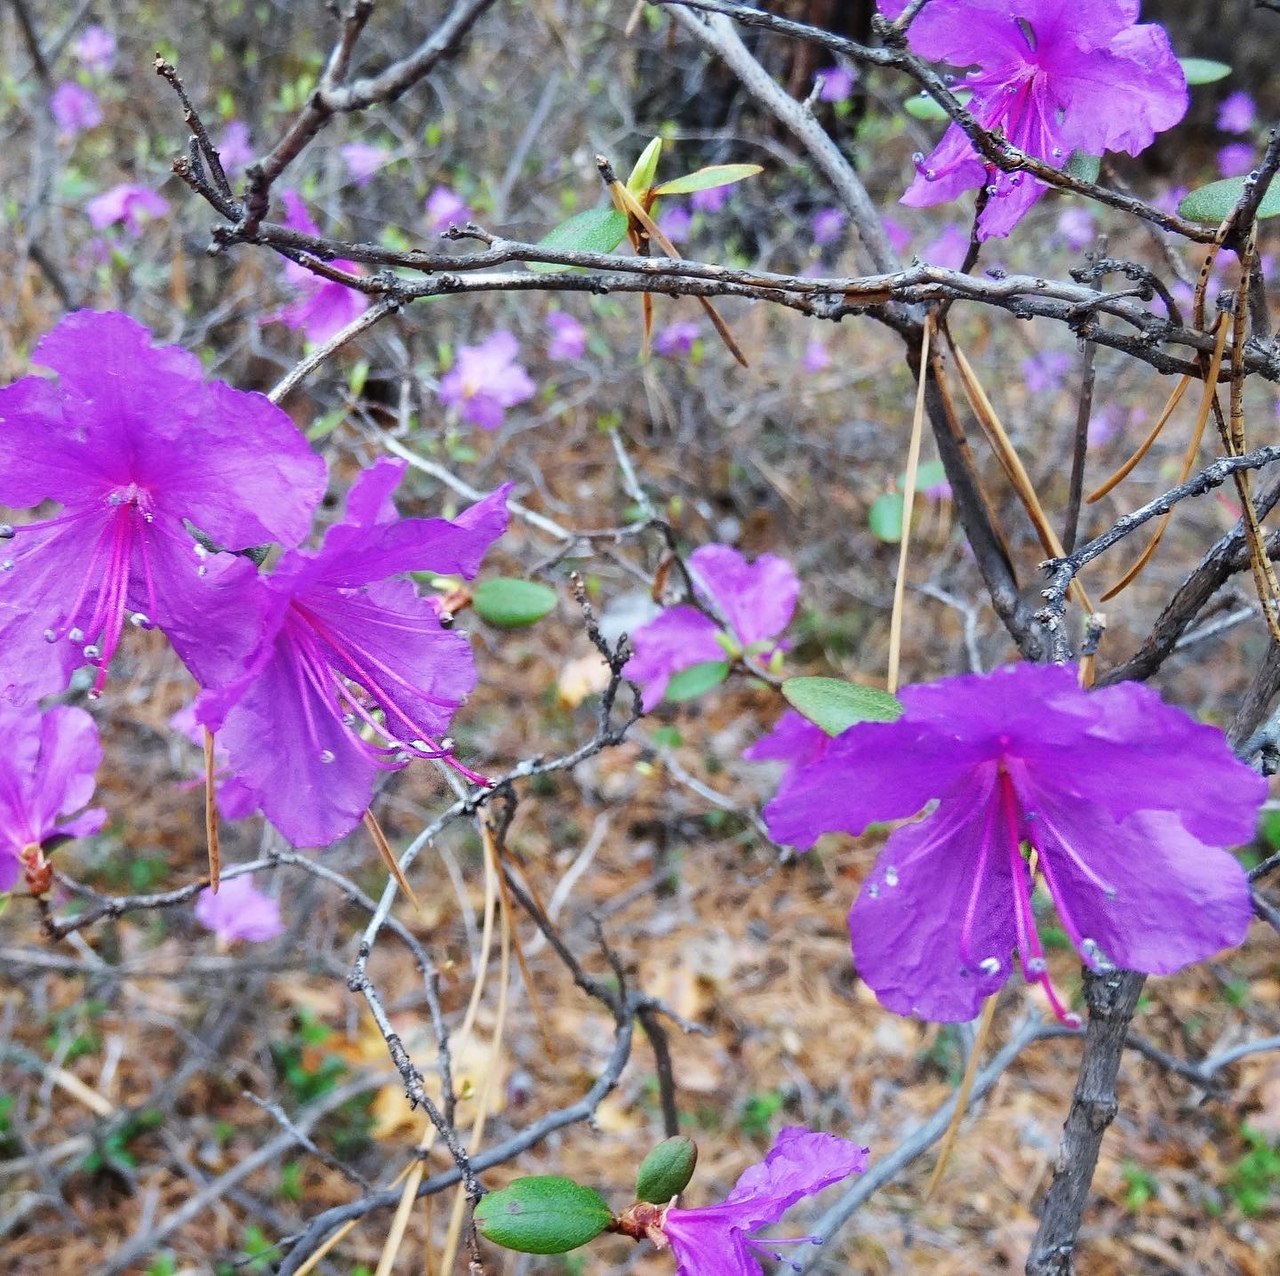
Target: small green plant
1140,1186
758,1113
1254,1181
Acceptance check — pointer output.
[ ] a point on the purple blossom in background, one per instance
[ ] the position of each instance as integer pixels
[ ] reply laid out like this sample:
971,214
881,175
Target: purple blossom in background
133,442
816,356
1104,425
676,340
486,380
949,250
899,236
235,802
235,150
1052,78
837,83
445,209
348,649
568,336
363,160
827,225
74,108
711,200
239,911
49,763
1237,112
96,50
129,204
1127,802
324,306
1044,372
756,601
1076,228
675,222
1236,159
716,1240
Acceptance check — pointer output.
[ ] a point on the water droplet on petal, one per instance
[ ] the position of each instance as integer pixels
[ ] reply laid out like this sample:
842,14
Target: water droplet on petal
930,174
7,565
1057,152
326,755
92,653
990,966
7,531
992,188
140,620
75,635
873,891
891,876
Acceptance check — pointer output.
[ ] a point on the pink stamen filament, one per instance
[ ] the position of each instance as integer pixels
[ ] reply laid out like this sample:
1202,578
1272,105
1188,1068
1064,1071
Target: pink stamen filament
990,815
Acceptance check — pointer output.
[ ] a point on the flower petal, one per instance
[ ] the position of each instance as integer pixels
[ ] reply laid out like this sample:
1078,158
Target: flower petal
757,599
679,638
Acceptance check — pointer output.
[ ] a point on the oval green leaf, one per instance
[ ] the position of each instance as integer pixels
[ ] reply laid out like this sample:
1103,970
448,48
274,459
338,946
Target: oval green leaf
543,1214
512,604
690,683
666,1171
1213,202
885,518
598,230
928,475
705,179
646,167
1203,70
835,705
1084,168
923,107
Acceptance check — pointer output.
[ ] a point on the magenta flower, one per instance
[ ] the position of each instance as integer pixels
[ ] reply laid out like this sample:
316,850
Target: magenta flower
239,911
949,249
676,222
235,802
794,740
1045,372
235,150
96,50
74,108
324,306
486,380
827,225
353,673
1236,159
363,160
1076,228
716,1240
899,236
445,209
1125,800
711,200
1052,78
1237,112
756,601
129,204
816,356
49,762
135,444
837,83
676,339
568,336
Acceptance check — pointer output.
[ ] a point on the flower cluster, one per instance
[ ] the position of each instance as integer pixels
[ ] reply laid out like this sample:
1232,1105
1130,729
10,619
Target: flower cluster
320,674
1118,803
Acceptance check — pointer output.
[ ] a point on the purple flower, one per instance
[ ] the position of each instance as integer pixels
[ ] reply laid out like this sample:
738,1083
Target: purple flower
716,1240
96,50
837,83
235,802
1235,159
1237,112
235,149
898,235
794,740
1125,800
756,601
1076,228
676,222
129,203
486,380
827,225
49,761
135,444
1052,78
324,306
1104,425
676,339
445,209
711,200
353,673
363,160
239,911
568,336
74,108
816,356
1045,372
949,250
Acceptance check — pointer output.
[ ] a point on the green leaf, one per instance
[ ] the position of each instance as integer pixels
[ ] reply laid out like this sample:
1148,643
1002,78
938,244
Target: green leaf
598,230
1084,168
928,475
512,604
646,166
544,1214
923,107
1203,70
705,179
1213,202
885,518
835,705
666,1171
690,683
